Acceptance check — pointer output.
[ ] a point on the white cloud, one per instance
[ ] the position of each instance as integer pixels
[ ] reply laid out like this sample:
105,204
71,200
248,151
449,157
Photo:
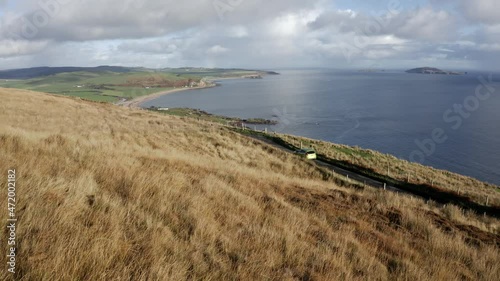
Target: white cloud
216,50
117,19
252,34
442,49
10,48
495,47
484,11
157,46
237,32
427,24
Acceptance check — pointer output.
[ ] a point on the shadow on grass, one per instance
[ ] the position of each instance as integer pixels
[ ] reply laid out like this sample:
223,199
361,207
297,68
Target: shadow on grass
424,191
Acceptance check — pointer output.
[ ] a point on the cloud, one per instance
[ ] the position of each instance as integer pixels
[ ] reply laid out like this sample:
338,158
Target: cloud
254,34
238,31
426,24
77,20
420,24
482,11
12,48
151,46
389,35
216,50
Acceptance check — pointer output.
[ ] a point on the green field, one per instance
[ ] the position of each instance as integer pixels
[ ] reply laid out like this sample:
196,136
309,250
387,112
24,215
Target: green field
104,87
107,86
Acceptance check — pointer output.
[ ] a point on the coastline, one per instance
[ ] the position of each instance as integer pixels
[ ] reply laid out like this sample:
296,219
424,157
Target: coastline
136,102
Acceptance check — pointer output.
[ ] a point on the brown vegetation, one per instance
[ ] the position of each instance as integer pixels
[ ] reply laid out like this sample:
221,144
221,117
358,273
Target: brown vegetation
111,193
405,171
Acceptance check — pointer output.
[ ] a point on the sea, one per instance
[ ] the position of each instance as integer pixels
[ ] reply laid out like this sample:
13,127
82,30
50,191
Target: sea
449,122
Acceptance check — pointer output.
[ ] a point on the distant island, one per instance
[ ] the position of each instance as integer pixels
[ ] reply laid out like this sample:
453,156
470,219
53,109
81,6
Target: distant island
432,70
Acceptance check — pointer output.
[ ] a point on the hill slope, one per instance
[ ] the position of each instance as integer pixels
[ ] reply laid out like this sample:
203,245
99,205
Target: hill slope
106,192
34,72
114,83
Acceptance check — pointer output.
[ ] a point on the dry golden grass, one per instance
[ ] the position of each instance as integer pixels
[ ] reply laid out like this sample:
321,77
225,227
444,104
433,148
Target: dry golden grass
402,170
109,193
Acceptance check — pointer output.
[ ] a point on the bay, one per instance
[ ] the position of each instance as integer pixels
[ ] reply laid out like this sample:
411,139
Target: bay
389,111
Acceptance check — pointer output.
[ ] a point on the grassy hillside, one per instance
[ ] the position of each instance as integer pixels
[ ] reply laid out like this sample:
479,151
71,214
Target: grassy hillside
110,84
112,193
393,170
105,87
382,167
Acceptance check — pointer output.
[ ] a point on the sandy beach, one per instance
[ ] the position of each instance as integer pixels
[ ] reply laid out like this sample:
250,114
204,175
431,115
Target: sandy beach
136,102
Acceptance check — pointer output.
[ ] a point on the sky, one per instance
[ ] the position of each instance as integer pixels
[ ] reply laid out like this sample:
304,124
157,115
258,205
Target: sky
271,34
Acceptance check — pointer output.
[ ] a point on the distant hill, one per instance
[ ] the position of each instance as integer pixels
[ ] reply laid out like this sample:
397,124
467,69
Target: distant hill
36,72
433,70
33,72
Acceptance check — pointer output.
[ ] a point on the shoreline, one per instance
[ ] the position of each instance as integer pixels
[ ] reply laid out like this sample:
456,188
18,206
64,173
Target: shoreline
203,115
136,102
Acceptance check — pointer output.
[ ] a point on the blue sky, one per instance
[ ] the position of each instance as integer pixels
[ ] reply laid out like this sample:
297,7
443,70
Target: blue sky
450,34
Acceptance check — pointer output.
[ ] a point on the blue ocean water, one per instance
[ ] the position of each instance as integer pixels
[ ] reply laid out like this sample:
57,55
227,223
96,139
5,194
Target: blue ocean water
392,112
